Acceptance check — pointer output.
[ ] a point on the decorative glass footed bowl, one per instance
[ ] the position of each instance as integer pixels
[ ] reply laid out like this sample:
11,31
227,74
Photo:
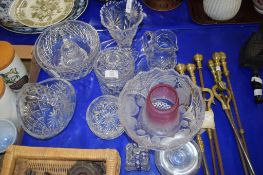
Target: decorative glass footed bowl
122,24
67,50
46,108
113,68
135,119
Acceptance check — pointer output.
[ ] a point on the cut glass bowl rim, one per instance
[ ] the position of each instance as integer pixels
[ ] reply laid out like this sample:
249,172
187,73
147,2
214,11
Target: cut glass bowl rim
96,132
116,3
51,69
73,93
138,140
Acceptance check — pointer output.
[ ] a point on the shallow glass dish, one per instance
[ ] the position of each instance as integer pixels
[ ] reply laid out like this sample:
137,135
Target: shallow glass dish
135,120
184,160
46,108
113,68
103,119
8,134
67,50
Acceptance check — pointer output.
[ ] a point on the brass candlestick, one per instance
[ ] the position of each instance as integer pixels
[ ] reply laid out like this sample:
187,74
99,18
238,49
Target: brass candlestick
181,68
220,86
226,73
191,69
198,58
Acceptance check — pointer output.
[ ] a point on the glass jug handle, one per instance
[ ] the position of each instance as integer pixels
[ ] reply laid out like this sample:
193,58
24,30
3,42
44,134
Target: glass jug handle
146,40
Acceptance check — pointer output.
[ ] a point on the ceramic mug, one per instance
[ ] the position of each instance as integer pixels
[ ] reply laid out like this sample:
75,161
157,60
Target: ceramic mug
12,68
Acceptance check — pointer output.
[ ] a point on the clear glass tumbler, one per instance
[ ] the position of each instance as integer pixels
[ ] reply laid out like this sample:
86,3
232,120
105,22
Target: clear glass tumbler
122,22
113,68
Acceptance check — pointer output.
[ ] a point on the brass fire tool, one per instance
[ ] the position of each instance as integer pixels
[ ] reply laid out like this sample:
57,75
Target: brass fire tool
191,69
216,69
181,68
239,123
198,58
224,96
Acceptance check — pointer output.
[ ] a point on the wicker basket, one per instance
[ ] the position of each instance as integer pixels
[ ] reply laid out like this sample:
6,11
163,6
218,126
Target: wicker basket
56,161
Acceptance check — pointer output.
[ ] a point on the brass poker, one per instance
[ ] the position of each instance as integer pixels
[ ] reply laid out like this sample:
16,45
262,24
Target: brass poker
181,68
191,69
239,123
198,58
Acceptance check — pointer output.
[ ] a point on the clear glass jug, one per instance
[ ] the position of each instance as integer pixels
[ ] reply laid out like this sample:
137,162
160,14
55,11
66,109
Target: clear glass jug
160,48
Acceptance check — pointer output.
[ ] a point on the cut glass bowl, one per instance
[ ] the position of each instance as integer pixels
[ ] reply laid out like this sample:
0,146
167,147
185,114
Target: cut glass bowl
46,108
67,50
102,117
133,115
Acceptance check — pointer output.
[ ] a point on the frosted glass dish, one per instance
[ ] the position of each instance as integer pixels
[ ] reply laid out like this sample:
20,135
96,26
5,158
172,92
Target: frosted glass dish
67,50
133,115
103,119
46,108
8,134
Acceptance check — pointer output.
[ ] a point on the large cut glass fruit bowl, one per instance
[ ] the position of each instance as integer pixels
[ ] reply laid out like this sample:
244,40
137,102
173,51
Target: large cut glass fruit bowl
67,50
161,136
45,108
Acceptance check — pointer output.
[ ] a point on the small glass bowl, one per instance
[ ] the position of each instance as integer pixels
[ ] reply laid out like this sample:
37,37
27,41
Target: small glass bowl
8,134
103,119
67,50
184,160
46,108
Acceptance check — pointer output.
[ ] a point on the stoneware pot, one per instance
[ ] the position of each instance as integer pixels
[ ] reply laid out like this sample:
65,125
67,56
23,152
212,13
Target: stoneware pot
221,10
258,5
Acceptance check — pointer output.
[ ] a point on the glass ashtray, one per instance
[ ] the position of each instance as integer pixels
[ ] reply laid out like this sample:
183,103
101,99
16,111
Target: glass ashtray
103,119
67,50
150,131
46,108
184,160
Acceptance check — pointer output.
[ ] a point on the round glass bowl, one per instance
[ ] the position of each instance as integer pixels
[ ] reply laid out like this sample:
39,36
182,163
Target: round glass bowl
67,50
103,119
8,134
46,108
133,114
184,160
113,68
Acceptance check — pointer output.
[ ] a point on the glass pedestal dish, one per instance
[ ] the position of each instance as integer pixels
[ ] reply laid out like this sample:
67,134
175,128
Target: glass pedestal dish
185,160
